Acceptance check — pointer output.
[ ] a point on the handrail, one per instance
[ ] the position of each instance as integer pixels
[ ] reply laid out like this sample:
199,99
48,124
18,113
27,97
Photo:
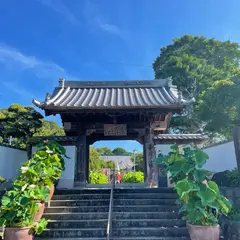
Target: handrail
109,224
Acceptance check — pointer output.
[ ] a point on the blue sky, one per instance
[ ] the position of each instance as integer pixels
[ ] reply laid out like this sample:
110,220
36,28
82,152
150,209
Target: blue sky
42,40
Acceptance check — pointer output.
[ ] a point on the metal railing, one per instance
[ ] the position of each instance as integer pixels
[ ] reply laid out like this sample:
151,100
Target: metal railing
109,224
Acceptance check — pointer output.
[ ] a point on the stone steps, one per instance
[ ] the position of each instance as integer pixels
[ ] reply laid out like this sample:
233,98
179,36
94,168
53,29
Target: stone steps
146,215
85,202
78,209
81,196
145,196
146,208
74,233
144,201
76,216
64,224
151,232
145,223
138,214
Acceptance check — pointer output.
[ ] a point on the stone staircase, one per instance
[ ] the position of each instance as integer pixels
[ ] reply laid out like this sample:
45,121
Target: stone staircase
138,214
147,214
77,214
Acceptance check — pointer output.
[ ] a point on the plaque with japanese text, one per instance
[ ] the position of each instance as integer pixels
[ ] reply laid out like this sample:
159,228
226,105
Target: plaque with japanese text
115,130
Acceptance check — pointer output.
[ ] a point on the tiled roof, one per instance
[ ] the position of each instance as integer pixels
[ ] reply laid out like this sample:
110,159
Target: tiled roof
113,94
181,137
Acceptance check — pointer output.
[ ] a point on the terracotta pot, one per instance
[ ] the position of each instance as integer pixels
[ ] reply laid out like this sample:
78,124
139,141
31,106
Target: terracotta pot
198,232
17,234
52,188
39,214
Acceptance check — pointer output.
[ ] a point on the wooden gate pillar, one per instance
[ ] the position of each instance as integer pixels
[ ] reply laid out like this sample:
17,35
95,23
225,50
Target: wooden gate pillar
81,160
150,155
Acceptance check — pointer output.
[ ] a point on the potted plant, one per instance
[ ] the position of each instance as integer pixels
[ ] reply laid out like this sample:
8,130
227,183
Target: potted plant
17,215
52,154
231,224
201,200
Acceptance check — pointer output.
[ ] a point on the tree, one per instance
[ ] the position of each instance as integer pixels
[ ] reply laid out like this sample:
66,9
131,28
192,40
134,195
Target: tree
104,151
20,122
210,66
119,151
139,162
50,128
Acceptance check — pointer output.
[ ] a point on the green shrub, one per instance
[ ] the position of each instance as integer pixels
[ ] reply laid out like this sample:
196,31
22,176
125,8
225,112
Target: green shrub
227,178
19,205
131,177
200,198
97,178
2,180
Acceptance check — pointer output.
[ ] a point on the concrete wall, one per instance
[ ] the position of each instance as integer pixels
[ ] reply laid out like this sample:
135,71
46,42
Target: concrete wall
67,178
10,161
221,157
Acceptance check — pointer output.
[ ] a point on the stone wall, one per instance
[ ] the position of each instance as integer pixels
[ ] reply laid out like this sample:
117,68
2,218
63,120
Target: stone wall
233,194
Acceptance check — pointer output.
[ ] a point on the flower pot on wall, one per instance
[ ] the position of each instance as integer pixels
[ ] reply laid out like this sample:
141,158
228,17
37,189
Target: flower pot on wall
198,232
39,214
17,234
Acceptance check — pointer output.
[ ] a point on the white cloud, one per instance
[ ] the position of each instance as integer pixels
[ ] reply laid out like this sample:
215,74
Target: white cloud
15,59
17,89
21,72
59,7
113,29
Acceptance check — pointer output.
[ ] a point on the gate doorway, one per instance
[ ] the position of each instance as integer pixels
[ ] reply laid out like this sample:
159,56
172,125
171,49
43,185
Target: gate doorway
119,161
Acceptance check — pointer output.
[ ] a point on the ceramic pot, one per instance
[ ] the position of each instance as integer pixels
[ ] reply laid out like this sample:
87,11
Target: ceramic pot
198,232
39,214
17,234
52,188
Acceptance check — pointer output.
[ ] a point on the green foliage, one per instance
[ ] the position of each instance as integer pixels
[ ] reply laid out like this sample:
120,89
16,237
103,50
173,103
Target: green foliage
227,178
120,151
19,205
97,178
214,66
104,151
2,180
233,177
50,128
20,122
131,177
95,161
139,162
234,214
201,200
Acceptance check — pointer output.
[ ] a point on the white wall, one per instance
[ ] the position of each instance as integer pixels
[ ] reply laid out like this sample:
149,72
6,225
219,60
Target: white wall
10,161
67,178
221,157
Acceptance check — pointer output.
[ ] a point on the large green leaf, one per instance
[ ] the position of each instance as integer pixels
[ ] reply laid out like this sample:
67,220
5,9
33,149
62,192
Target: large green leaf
10,215
5,200
207,196
213,186
201,158
2,221
24,200
200,174
175,168
184,187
